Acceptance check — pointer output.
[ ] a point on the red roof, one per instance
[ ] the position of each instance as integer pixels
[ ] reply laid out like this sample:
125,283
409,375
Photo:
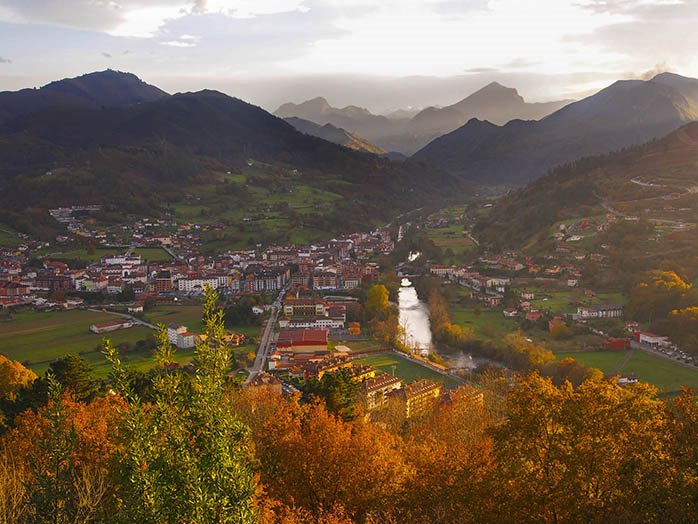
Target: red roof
302,337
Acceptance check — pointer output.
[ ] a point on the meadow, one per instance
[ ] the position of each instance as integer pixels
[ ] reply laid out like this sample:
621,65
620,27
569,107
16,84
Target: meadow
649,368
37,339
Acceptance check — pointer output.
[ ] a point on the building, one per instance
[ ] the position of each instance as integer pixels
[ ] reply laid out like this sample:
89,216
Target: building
303,340
112,325
651,339
196,285
616,343
305,307
180,336
376,390
601,311
163,282
266,380
419,397
325,280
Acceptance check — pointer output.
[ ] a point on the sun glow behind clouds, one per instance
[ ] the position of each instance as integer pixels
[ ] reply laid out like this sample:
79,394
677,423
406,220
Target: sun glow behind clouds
408,37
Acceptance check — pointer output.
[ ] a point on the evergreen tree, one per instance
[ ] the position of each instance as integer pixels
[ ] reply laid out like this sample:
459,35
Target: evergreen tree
186,456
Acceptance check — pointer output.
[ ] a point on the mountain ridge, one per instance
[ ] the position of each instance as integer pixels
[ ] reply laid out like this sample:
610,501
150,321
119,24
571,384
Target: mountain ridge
625,113
108,88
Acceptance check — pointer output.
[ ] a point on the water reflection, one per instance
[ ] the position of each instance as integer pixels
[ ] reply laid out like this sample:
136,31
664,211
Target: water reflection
414,318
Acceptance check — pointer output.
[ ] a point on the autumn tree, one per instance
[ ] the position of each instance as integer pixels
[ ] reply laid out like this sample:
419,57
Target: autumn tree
568,369
13,377
596,453
656,294
313,460
377,301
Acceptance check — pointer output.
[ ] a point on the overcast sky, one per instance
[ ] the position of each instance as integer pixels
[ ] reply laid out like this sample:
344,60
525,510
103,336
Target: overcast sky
381,54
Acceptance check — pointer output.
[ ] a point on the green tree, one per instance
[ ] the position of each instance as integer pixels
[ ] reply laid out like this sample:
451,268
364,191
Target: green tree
186,456
76,376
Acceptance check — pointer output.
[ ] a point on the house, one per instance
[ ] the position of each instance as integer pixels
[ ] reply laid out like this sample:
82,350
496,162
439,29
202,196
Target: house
534,316
510,312
112,325
180,336
266,380
376,390
354,328
528,295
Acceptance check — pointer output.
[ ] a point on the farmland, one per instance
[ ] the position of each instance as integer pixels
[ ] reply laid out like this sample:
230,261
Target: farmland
37,339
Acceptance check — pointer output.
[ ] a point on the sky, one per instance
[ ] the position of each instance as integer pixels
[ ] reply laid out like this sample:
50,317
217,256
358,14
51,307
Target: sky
380,54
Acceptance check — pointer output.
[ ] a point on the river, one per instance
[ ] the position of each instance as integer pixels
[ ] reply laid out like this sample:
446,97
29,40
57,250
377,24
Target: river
414,318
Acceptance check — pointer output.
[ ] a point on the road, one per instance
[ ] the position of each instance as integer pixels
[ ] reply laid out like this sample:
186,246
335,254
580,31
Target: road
264,348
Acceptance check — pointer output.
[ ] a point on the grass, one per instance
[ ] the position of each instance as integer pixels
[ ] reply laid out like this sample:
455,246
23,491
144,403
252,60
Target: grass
489,324
189,316
453,238
8,236
152,254
37,339
649,368
405,369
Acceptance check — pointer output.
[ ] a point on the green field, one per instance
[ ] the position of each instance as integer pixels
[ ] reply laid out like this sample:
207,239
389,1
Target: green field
8,236
405,369
189,316
39,338
453,238
649,368
490,323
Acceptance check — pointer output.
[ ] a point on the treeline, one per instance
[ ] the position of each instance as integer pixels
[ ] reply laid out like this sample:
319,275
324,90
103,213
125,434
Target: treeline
669,304
531,453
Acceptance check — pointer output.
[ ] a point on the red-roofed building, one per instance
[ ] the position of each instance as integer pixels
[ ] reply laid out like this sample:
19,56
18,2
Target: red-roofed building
303,340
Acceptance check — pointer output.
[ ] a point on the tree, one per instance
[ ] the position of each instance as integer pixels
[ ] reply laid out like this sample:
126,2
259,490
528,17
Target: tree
596,453
339,391
13,377
315,461
76,376
186,457
377,300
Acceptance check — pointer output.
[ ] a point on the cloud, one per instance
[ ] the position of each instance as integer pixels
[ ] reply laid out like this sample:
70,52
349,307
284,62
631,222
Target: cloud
482,70
106,55
139,18
5,60
520,63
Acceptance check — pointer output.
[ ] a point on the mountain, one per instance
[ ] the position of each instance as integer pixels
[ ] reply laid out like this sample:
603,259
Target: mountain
334,134
657,180
94,90
374,128
625,113
494,103
140,158
409,133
